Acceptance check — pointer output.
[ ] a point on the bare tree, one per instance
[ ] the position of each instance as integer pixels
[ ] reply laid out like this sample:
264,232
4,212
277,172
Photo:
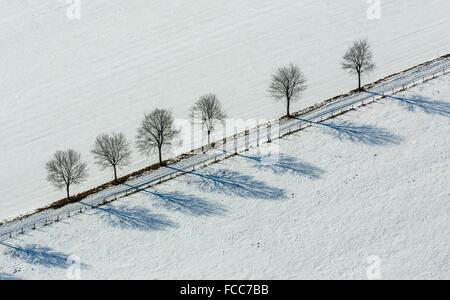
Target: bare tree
288,83
156,133
209,110
112,151
65,169
359,59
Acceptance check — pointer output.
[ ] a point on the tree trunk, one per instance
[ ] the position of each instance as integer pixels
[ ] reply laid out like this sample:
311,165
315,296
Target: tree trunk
115,174
160,157
209,138
67,190
359,81
288,110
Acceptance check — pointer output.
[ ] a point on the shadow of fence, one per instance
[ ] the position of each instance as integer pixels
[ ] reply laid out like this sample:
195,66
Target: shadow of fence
134,218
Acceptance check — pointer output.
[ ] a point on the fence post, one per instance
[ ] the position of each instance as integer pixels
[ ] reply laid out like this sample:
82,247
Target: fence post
247,140
257,136
225,145
269,133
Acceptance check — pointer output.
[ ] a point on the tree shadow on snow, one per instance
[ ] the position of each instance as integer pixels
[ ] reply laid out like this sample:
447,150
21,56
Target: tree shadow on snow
188,204
134,218
37,255
365,134
434,107
4,276
236,184
280,164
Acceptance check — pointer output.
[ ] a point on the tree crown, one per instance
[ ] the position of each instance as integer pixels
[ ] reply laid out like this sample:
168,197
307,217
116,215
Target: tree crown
156,132
358,58
209,110
111,150
287,83
66,168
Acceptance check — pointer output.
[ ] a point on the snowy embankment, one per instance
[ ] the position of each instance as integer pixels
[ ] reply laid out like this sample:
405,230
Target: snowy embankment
372,183
256,137
66,81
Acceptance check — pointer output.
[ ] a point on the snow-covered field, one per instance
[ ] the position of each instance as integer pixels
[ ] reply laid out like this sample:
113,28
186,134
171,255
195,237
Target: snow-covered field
373,189
65,81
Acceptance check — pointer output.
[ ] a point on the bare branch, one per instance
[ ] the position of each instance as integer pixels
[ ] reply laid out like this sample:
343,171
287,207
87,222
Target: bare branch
156,132
288,84
358,59
209,110
111,151
65,169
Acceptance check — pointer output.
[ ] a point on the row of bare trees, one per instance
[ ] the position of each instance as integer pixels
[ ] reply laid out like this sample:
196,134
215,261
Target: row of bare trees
157,129
155,135
288,83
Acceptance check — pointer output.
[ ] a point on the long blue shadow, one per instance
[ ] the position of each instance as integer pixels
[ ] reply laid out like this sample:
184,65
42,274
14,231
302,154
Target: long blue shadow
133,218
188,204
236,184
4,276
421,103
365,134
37,255
282,163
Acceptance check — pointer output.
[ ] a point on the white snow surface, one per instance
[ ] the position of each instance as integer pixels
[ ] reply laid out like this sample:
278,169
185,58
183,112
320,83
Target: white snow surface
331,202
66,81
